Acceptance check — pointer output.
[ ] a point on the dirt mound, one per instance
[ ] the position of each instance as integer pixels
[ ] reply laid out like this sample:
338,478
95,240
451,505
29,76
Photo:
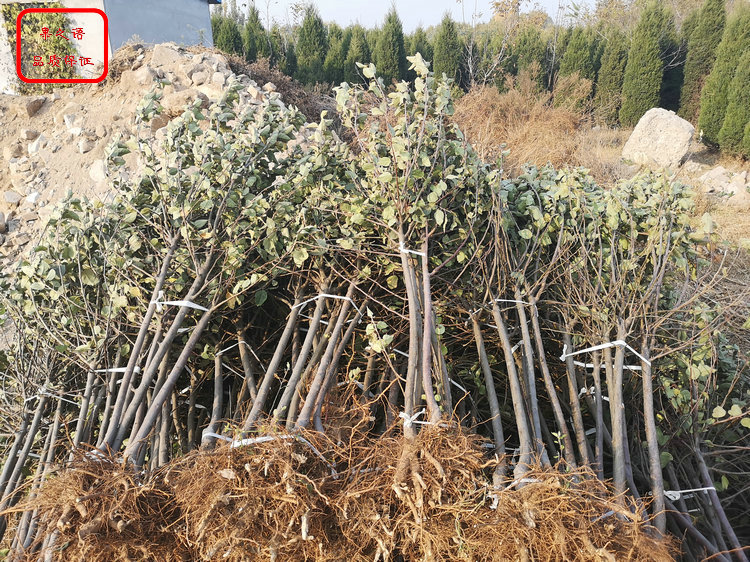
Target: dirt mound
305,497
56,143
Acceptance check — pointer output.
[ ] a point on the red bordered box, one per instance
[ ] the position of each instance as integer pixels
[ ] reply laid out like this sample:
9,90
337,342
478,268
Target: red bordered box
61,80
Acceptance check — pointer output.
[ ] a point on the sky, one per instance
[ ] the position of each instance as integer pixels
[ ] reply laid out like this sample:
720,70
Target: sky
371,13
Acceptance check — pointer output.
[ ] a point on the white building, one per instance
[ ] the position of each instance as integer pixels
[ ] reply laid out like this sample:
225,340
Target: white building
185,22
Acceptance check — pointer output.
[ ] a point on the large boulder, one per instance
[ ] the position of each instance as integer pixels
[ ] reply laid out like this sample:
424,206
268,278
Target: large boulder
660,139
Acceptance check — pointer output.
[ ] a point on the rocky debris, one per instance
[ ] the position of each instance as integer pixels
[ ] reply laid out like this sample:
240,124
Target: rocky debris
12,197
98,171
721,182
37,145
33,197
3,224
15,150
86,145
660,139
176,102
30,106
29,134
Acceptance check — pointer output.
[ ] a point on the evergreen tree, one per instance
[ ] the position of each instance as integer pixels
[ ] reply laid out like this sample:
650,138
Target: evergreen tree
672,57
611,75
732,133
288,62
390,53
359,51
529,48
335,58
312,46
701,54
641,87
714,97
419,43
447,53
254,37
229,37
578,56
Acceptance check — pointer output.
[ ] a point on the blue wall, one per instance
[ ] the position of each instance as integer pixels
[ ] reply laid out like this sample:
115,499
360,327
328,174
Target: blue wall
185,22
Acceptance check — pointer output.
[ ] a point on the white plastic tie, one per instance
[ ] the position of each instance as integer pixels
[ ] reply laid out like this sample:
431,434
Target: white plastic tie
136,369
411,420
592,392
206,434
591,366
189,304
344,298
616,343
512,300
404,250
401,352
675,495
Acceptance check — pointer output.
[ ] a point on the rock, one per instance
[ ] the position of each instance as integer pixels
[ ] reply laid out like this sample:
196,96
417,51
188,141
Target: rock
2,239
254,92
12,198
98,171
715,179
86,145
144,76
738,191
101,131
19,166
165,54
38,144
199,78
159,121
31,216
176,102
660,139
218,79
3,224
12,151
33,197
29,134
31,105
70,120
269,87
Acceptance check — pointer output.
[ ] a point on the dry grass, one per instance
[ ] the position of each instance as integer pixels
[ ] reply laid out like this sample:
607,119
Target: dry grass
539,128
309,498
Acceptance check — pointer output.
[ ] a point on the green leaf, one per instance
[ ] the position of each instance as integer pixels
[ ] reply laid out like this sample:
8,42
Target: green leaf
260,297
88,277
392,281
666,458
735,411
719,412
300,255
439,217
745,422
526,234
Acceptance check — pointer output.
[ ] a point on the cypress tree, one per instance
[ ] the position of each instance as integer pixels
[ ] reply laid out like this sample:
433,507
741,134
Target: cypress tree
672,58
701,54
529,49
419,43
447,53
578,56
390,53
311,47
611,75
254,37
288,60
641,85
714,97
335,58
737,118
359,51
229,37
